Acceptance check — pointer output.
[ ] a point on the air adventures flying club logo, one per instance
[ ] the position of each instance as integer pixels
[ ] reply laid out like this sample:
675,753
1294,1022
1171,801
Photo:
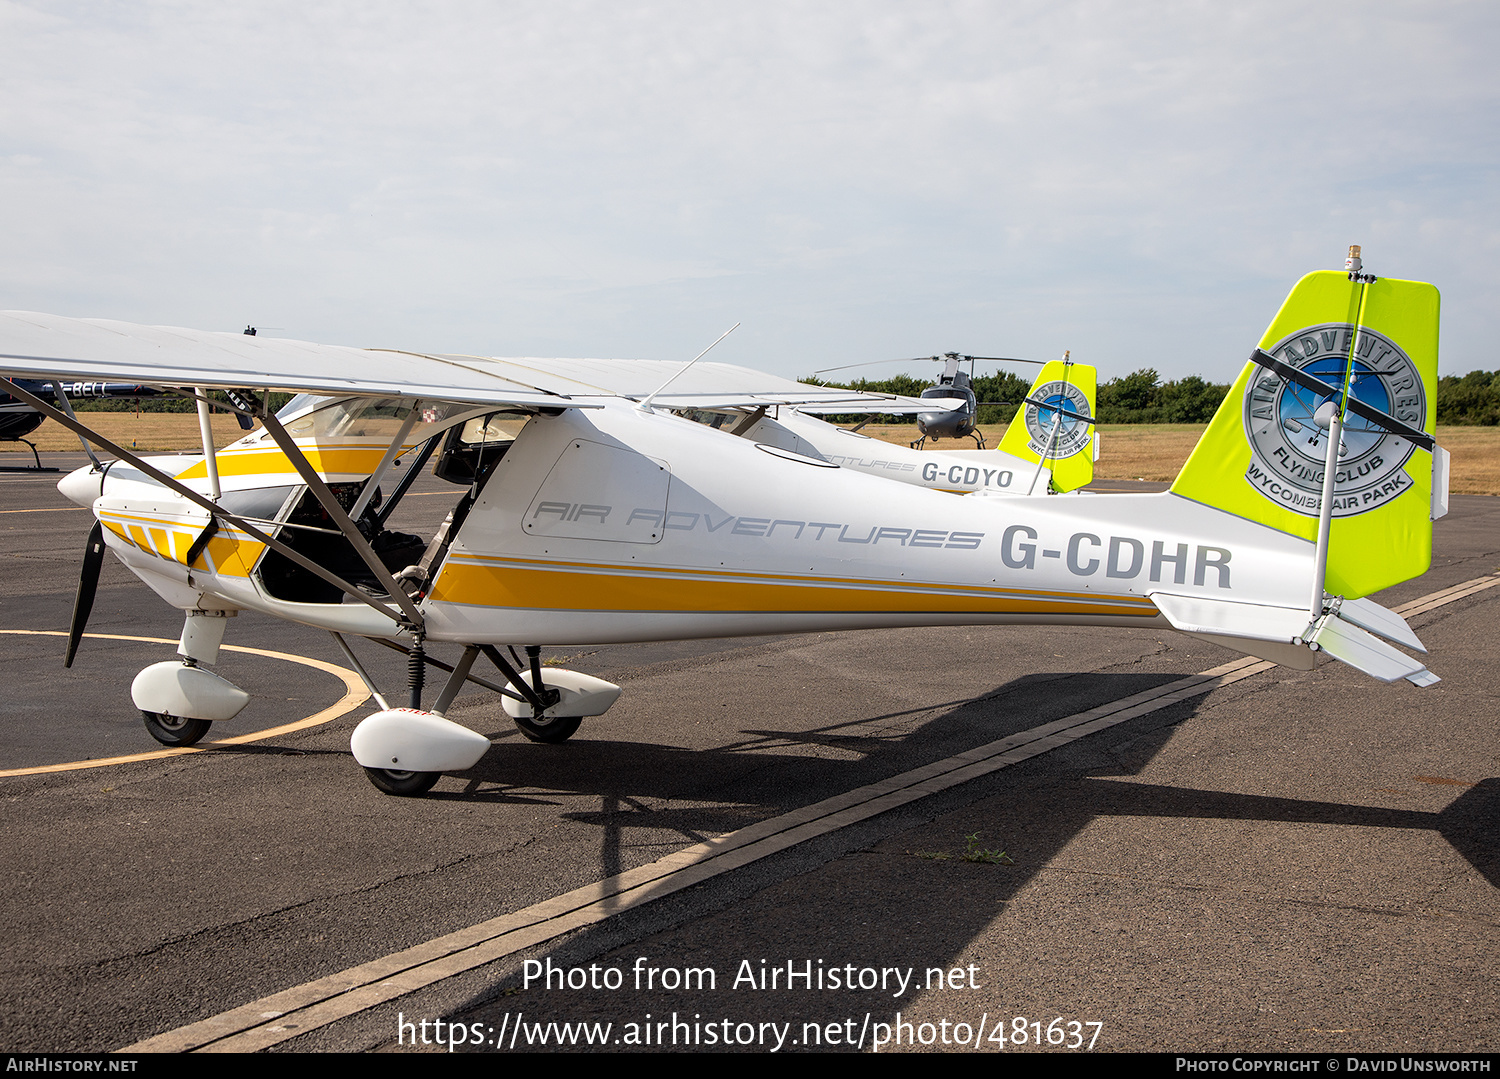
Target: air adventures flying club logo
1072,435
1286,444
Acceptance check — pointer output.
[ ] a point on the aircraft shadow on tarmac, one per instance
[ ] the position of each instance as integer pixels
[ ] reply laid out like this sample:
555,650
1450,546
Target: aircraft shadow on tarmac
927,929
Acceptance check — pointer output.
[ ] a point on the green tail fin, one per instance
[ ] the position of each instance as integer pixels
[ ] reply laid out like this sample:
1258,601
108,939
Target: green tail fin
1069,451
1262,457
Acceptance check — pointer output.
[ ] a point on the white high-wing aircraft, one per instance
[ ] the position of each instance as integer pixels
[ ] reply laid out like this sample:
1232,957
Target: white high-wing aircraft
1050,446
594,514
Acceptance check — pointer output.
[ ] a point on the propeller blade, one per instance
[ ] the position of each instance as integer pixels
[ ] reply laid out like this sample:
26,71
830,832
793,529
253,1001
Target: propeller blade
88,583
1064,409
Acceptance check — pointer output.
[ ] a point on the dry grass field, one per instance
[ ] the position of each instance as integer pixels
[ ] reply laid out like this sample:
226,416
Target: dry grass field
1130,451
154,431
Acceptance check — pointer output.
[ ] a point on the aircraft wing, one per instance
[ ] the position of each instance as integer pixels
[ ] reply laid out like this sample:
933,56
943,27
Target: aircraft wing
51,346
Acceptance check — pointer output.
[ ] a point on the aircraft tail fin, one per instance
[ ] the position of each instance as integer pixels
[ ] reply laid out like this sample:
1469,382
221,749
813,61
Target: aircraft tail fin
1055,424
1371,346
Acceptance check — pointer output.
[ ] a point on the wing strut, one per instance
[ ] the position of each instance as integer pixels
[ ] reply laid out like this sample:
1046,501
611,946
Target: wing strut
385,461
193,496
351,533
67,405
206,433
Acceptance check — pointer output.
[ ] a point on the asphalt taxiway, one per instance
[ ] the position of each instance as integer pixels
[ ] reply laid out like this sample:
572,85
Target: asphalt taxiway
1286,861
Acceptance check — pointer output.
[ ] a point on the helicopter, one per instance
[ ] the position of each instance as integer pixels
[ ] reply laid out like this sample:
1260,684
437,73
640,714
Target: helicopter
18,419
954,407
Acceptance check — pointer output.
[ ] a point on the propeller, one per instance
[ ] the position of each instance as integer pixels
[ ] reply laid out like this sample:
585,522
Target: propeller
88,584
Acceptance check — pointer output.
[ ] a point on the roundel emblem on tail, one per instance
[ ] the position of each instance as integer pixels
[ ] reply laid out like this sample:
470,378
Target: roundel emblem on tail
1072,434
1287,447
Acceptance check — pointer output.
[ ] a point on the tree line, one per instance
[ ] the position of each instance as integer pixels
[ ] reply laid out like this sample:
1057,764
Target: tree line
1142,397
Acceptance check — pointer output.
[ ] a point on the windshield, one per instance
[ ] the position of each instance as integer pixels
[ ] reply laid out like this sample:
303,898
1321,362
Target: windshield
368,417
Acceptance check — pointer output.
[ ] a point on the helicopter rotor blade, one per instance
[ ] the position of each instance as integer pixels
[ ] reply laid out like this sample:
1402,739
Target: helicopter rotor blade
935,359
1005,359
88,584
872,363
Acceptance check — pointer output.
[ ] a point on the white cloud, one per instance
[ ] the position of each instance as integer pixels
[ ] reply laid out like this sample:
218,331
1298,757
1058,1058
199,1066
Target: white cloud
1140,183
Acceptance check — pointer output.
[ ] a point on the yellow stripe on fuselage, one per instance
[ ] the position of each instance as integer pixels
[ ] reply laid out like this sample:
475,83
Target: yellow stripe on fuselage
584,587
230,553
326,458
231,556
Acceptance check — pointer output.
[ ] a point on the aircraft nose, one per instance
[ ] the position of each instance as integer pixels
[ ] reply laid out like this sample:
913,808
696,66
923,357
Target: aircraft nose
82,485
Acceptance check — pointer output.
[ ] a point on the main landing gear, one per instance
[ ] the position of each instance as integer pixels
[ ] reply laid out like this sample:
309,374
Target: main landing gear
404,751
402,784
548,730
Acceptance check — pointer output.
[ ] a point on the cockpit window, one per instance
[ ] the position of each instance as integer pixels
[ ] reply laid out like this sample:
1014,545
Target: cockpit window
370,417
496,427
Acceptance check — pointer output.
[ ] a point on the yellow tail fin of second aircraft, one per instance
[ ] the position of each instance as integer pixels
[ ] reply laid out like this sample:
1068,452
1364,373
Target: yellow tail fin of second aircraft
1055,425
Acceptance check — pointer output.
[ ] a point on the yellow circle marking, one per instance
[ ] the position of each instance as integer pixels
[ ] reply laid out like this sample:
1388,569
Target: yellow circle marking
355,694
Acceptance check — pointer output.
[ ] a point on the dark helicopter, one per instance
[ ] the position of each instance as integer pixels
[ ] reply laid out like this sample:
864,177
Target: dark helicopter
18,419
956,417
951,422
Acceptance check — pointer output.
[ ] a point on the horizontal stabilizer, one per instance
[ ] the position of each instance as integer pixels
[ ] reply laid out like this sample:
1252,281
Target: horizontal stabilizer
1256,621
1388,624
1368,653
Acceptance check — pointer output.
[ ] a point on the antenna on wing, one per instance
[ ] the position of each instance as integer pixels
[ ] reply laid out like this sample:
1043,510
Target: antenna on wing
645,406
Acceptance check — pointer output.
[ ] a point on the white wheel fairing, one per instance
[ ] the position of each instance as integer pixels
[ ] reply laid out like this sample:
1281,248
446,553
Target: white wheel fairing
582,695
407,740
172,688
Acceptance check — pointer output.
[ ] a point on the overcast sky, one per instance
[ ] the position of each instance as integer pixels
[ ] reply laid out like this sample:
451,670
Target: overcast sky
1140,183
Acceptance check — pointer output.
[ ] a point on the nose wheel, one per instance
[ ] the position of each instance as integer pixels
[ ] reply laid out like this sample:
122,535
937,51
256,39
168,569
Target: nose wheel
175,730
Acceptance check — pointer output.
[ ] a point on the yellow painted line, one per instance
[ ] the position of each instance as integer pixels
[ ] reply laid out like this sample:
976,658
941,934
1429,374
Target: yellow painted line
50,509
355,694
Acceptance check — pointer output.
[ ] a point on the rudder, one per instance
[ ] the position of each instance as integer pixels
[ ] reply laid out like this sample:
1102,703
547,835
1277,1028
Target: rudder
1262,457
1069,451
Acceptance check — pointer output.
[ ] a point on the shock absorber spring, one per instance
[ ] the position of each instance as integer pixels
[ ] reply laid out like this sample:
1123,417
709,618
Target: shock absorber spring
416,669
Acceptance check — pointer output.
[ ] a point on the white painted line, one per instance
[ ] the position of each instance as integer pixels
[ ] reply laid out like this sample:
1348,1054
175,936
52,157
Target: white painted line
302,1008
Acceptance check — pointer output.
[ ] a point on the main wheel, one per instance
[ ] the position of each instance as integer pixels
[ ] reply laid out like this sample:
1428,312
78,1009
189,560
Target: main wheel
175,730
402,784
558,729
